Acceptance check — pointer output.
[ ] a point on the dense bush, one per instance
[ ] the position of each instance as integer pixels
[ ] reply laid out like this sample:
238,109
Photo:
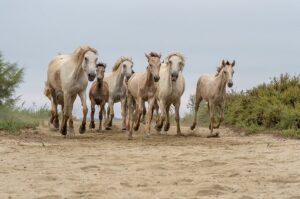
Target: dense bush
275,105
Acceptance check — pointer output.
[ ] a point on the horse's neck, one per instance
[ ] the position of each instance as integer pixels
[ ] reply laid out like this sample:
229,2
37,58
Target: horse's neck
149,78
100,84
169,81
119,78
221,84
77,71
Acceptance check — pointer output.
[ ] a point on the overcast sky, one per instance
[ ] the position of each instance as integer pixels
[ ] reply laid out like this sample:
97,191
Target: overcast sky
263,36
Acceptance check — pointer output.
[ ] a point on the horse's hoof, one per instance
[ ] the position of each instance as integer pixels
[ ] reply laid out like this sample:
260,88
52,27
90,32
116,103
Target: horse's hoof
82,129
92,125
71,130
63,131
167,127
136,127
179,134
158,128
56,124
193,126
147,136
213,135
124,128
108,128
130,137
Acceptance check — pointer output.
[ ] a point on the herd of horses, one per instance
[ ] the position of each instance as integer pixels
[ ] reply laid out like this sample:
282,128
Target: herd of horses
161,85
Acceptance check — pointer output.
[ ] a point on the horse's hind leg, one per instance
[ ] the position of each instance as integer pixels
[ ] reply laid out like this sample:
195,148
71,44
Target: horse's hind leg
54,114
221,119
196,108
110,113
167,124
68,106
92,123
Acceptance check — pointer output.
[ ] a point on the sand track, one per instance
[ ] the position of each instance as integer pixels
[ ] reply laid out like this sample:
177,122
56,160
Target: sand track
41,164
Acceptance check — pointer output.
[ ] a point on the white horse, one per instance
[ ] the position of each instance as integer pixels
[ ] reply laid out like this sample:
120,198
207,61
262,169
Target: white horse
121,72
69,74
212,88
170,89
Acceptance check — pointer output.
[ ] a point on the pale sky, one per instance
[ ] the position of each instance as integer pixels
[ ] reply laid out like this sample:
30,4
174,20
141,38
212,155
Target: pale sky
263,36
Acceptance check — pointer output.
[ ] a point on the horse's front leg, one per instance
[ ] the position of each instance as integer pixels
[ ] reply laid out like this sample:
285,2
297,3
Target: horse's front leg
82,127
102,107
149,115
177,117
212,119
167,124
92,123
124,112
140,103
162,117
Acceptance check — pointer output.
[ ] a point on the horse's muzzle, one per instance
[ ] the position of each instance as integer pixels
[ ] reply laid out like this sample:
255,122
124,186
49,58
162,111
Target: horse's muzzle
156,78
230,84
91,76
174,76
99,79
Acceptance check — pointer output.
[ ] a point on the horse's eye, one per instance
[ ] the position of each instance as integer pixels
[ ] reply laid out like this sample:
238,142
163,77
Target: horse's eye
124,65
86,59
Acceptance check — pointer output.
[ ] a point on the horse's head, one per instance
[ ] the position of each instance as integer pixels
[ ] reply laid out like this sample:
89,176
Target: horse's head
228,72
100,71
154,64
89,64
126,68
176,63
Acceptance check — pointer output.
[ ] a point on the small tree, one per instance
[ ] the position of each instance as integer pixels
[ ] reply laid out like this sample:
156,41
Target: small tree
10,78
191,103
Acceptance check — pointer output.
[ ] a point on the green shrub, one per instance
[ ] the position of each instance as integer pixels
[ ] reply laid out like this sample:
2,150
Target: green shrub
268,106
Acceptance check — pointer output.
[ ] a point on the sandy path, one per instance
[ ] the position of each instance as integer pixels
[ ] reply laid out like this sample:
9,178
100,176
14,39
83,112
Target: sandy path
41,164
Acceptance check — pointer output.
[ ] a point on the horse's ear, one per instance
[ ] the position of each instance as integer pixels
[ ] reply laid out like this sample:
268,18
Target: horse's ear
223,62
233,63
148,57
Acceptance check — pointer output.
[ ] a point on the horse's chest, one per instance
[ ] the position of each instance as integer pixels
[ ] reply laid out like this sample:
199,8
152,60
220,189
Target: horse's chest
148,92
99,99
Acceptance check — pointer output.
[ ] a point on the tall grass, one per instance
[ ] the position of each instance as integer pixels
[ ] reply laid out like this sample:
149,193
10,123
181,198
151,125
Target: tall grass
13,119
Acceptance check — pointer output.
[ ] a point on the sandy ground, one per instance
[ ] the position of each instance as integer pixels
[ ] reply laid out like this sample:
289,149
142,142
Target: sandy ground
42,164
